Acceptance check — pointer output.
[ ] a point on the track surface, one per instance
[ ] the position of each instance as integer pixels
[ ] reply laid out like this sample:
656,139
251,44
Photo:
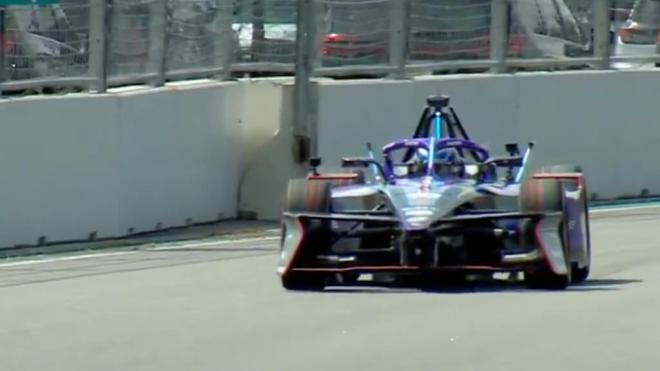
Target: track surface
221,308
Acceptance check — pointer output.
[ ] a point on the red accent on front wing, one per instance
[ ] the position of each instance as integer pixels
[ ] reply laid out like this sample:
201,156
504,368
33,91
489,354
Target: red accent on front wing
404,268
296,249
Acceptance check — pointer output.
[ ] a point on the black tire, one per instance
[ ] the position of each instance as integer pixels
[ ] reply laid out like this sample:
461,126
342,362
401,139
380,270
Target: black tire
544,195
305,195
578,274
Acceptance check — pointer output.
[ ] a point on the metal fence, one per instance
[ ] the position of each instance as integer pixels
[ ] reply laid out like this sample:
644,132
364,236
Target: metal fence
97,44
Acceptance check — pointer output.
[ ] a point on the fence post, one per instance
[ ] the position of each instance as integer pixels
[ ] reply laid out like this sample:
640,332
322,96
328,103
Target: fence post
399,27
319,12
3,52
602,45
225,45
258,47
499,35
305,35
158,41
98,45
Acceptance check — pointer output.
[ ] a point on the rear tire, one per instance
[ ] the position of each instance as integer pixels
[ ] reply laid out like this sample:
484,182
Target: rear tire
578,274
544,195
581,274
307,196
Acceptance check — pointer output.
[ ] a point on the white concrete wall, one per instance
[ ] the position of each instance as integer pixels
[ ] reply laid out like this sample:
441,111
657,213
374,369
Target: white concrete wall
133,160
180,155
127,160
267,143
608,122
58,168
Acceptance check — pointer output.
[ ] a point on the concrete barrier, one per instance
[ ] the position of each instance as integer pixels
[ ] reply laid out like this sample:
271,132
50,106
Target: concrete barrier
607,122
267,142
138,159
180,158
59,168
118,163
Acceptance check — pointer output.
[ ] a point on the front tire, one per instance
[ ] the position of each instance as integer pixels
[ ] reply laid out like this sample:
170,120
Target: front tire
307,196
312,196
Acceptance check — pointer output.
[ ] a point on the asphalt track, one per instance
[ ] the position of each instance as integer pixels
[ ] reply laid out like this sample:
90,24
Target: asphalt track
220,307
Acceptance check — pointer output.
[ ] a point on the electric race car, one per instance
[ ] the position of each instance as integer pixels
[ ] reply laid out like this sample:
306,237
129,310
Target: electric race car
437,207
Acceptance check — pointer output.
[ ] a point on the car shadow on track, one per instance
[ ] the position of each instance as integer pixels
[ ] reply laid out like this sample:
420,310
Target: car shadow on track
603,284
487,286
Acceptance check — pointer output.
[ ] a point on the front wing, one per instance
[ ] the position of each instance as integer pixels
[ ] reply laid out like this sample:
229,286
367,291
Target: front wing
311,242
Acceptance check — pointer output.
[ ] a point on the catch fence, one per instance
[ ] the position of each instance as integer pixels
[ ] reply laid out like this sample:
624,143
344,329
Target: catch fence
93,45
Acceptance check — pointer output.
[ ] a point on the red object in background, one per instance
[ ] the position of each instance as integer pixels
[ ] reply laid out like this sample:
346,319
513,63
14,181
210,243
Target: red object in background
345,45
9,42
633,34
516,44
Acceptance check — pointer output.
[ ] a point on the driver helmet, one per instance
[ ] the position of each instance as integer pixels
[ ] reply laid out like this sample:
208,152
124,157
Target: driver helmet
442,156
446,158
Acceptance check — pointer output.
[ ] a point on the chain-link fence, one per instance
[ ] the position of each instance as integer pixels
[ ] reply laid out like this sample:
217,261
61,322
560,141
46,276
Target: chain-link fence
199,36
96,44
265,35
45,43
133,28
449,30
354,32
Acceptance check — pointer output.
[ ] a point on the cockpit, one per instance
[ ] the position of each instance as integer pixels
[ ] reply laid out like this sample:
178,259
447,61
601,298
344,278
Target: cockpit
447,163
440,148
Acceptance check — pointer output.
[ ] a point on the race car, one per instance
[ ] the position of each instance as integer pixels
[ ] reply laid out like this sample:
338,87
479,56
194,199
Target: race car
436,208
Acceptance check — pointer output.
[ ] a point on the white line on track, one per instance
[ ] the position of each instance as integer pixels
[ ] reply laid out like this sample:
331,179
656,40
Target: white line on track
192,245
168,246
623,208
64,258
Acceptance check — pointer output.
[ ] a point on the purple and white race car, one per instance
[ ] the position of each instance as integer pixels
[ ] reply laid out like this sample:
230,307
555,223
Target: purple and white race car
435,209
